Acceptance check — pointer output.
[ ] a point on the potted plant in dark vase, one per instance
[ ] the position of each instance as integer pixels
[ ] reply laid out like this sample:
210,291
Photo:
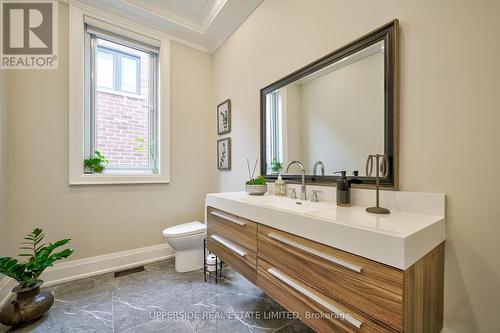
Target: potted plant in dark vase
30,302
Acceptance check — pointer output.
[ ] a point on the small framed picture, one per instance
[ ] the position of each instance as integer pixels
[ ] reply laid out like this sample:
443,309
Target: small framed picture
224,154
224,117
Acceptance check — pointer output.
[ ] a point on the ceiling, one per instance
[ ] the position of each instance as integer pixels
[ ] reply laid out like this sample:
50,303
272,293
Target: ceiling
204,23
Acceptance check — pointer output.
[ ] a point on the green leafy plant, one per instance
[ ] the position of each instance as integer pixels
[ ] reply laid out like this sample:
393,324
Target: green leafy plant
276,166
39,255
260,180
96,162
152,152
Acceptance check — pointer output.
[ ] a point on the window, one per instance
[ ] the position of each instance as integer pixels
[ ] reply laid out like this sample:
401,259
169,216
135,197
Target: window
121,116
274,129
119,105
117,70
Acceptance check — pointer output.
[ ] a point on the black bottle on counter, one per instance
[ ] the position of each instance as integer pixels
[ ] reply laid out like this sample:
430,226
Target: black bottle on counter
343,190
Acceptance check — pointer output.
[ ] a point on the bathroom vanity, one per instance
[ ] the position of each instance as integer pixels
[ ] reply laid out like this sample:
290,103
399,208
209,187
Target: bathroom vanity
340,268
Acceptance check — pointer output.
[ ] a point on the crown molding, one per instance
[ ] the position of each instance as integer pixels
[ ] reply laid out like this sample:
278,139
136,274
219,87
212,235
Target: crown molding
207,33
122,21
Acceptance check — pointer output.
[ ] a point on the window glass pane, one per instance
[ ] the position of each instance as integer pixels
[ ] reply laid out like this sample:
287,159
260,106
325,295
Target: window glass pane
104,69
129,74
123,122
274,129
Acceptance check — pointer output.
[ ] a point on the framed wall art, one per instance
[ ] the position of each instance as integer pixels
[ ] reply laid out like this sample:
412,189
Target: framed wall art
224,117
224,154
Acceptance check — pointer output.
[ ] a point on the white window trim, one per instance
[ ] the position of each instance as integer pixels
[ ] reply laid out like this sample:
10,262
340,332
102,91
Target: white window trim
77,101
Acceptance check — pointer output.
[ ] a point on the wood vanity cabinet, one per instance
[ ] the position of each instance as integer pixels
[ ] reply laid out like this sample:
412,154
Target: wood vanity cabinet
331,290
234,240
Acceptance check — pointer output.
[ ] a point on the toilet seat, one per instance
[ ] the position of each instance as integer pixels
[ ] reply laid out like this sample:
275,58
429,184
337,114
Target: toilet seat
185,229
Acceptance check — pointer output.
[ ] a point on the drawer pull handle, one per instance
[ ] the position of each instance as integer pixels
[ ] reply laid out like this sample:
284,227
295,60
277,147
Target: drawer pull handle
228,244
315,252
351,320
228,218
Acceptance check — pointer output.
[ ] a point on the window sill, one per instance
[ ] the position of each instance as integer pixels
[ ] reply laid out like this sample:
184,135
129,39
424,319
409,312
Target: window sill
119,178
117,171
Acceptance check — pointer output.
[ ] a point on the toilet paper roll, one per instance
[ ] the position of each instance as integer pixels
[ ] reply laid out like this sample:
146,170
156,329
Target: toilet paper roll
211,262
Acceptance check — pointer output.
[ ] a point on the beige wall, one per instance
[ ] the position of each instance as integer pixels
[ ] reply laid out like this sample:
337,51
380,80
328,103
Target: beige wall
4,180
450,98
105,219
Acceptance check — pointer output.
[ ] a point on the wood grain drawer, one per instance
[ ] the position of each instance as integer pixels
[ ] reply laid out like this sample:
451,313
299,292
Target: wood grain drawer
370,287
323,314
238,230
240,259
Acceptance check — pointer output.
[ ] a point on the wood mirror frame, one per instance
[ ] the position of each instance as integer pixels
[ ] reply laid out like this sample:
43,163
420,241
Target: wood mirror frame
387,33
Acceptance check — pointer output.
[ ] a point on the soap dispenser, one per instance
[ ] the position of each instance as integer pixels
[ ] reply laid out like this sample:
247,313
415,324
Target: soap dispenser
343,190
280,186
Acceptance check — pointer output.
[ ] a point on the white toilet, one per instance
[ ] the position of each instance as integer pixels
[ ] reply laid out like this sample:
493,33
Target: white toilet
187,241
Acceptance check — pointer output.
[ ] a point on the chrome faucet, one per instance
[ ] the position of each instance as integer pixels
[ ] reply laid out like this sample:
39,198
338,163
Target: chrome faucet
322,168
303,195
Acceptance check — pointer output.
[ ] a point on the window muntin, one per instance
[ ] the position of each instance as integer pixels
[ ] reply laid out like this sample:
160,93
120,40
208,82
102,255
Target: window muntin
122,116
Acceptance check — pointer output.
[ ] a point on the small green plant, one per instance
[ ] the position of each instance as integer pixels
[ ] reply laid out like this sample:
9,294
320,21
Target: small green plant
40,257
95,163
152,152
260,180
276,166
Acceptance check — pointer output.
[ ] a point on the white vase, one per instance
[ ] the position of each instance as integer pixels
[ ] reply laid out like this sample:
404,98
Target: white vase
256,189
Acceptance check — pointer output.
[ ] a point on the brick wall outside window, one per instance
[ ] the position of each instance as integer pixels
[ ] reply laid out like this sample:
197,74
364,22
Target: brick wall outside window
122,120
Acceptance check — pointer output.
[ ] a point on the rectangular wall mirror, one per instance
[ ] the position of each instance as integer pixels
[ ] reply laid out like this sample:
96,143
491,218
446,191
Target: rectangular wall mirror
336,110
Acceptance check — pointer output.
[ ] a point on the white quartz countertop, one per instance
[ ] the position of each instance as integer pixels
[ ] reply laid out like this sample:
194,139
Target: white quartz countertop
399,239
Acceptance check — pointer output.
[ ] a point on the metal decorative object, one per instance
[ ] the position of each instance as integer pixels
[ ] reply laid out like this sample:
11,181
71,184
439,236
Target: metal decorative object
382,166
211,270
30,304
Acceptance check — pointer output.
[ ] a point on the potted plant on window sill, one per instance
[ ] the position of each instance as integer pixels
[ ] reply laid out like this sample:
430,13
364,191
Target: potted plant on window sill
95,163
30,302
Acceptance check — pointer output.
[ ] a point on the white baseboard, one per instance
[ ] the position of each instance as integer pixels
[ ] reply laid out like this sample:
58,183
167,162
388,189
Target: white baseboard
82,268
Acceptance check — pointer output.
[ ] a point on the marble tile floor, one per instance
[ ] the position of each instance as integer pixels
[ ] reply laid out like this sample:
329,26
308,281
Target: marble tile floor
162,300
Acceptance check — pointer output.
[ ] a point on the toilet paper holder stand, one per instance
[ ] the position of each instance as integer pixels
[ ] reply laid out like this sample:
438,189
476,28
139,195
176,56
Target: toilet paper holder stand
212,265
